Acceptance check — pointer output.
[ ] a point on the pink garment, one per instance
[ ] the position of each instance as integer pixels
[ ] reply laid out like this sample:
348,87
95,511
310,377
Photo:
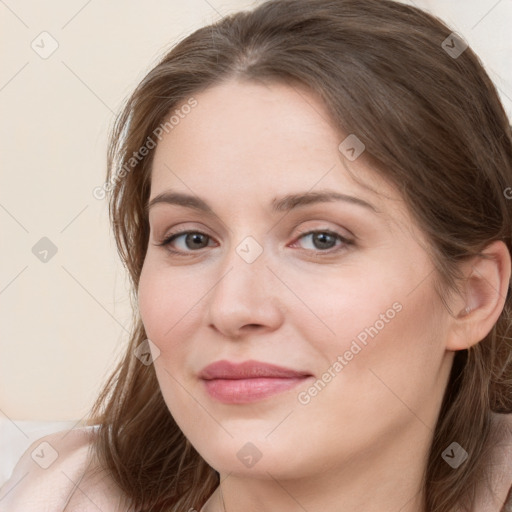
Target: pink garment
499,497
49,478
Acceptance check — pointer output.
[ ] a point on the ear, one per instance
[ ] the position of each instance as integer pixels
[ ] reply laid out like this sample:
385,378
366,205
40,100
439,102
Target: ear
484,293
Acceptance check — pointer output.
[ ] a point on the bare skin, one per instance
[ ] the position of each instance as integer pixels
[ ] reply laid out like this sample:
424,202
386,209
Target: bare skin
301,305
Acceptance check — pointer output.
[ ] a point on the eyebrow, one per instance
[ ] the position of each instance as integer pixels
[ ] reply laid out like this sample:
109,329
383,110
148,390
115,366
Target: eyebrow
285,203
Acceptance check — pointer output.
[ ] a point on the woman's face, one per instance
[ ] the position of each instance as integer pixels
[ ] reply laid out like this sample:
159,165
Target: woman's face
351,306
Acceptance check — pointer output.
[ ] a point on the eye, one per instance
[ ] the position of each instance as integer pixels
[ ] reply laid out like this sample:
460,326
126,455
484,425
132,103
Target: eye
192,240
322,240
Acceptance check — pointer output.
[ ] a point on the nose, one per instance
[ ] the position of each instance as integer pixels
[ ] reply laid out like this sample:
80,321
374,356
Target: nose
246,297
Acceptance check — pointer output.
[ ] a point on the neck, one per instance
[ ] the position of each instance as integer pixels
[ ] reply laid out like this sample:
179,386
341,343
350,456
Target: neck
386,478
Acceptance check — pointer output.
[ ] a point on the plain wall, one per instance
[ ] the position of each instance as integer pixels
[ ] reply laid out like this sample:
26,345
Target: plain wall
65,321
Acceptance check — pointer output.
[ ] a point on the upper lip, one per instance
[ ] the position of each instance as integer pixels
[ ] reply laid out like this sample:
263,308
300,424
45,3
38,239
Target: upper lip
247,370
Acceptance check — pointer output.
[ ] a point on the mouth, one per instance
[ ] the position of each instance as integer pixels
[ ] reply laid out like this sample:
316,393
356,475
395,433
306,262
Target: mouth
250,381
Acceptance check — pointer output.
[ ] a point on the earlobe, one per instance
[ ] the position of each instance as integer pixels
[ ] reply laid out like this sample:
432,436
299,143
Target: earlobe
485,292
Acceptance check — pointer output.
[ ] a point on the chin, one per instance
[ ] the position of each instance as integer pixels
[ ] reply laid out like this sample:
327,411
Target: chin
255,456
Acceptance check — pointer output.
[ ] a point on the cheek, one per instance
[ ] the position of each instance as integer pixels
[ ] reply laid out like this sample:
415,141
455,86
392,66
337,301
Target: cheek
387,352
167,316
351,306
151,302
166,303
382,363
374,322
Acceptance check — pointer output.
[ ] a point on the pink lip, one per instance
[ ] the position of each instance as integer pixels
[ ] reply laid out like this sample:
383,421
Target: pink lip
248,381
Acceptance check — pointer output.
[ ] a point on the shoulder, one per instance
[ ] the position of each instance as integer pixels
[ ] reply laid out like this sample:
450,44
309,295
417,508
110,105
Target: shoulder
504,458
494,493
59,472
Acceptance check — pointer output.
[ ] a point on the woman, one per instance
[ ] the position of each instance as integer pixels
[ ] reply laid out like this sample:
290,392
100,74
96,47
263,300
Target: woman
313,202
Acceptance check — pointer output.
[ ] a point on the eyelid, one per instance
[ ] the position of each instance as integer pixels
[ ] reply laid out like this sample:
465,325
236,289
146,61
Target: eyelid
173,235
345,241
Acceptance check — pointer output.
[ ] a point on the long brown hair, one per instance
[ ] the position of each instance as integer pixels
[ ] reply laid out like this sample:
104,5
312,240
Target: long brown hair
432,124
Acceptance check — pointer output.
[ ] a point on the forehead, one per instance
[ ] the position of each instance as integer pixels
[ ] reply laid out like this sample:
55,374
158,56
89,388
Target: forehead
247,140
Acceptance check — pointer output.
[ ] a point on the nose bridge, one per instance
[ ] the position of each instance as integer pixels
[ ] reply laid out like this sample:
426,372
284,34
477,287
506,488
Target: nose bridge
244,267
242,294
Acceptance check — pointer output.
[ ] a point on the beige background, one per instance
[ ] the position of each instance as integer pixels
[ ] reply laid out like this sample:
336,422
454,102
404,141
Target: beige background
64,322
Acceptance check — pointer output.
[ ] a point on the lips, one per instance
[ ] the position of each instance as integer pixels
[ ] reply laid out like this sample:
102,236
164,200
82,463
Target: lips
247,370
239,383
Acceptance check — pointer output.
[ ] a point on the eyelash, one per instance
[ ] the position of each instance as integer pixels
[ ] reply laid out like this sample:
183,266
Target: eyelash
345,241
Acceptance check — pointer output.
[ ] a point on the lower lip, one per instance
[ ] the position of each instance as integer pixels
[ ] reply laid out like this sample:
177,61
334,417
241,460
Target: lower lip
243,391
